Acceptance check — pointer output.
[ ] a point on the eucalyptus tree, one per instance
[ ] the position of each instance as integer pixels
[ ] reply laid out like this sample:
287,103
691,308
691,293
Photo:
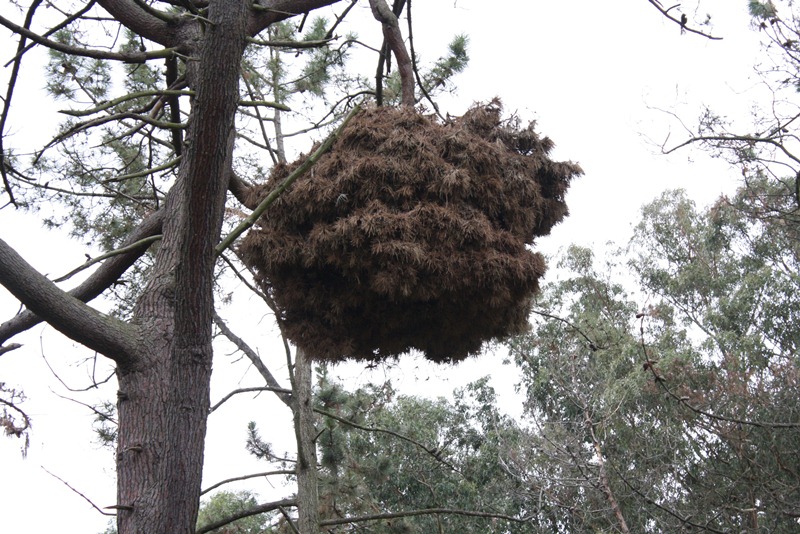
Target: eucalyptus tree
672,405
396,463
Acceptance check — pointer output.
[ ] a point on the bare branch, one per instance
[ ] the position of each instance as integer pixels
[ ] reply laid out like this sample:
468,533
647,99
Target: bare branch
266,12
9,348
426,511
681,22
280,391
293,45
414,63
247,477
264,103
259,509
129,96
12,82
150,24
102,415
146,242
70,316
592,344
339,19
255,359
106,275
239,189
132,57
87,499
752,139
394,41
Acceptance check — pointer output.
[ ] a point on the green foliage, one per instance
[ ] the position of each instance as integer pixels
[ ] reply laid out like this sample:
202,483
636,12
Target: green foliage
437,78
256,445
69,76
448,66
684,411
225,504
762,10
407,453
105,424
323,62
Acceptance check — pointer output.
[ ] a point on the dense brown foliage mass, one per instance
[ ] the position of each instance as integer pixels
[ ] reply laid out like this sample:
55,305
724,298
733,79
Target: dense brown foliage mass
411,233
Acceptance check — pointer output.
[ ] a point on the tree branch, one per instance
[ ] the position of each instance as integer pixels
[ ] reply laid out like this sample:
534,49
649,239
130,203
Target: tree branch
108,273
151,26
67,314
650,366
605,485
7,421
592,345
259,509
240,189
131,57
231,394
247,477
255,359
302,169
750,139
394,40
426,511
87,499
652,502
146,242
268,12
129,96
12,83
678,21
435,451
9,348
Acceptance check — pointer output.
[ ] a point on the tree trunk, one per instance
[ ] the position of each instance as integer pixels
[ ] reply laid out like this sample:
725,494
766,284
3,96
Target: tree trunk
307,489
164,399
605,484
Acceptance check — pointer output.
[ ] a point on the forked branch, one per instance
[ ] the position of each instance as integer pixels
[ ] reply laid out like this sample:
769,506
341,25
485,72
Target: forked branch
70,316
394,41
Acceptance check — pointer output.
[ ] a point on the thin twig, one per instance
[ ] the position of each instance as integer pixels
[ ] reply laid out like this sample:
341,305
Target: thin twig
592,344
255,359
124,250
426,511
9,348
436,452
247,477
87,499
280,391
678,21
297,173
650,365
258,509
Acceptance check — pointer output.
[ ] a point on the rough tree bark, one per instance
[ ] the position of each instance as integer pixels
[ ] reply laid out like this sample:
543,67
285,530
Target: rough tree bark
164,399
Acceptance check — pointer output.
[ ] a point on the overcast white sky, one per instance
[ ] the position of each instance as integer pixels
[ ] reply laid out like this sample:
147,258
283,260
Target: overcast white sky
590,74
